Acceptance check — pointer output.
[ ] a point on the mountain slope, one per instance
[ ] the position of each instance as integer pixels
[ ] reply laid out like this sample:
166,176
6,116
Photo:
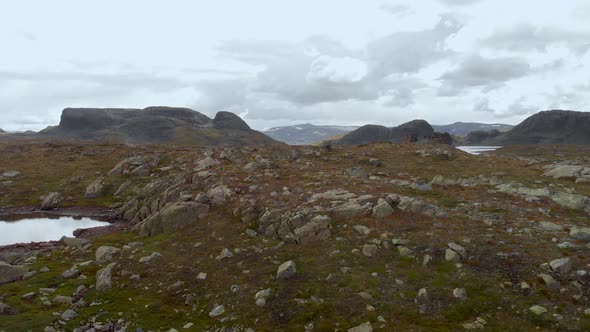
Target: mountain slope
305,134
155,125
417,129
547,127
464,128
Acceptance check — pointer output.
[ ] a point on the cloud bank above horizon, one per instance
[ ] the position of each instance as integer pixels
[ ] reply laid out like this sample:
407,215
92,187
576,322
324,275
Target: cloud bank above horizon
333,62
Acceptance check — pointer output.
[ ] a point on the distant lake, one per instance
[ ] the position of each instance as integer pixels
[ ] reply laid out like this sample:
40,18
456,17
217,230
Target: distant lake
478,149
42,229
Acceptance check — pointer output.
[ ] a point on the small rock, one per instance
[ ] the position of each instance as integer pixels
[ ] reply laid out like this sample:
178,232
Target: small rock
201,276
147,259
225,253
364,327
537,310
71,273
362,230
561,266
286,270
217,311
29,296
105,254
460,293
69,315
452,256
5,309
370,250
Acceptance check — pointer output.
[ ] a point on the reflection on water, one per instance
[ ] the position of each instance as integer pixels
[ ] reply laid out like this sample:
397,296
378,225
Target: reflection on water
42,229
478,149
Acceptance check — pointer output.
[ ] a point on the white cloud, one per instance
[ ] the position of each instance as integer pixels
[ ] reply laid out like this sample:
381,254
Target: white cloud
337,70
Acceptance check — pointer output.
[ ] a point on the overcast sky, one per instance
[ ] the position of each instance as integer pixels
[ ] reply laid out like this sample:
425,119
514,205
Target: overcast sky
287,62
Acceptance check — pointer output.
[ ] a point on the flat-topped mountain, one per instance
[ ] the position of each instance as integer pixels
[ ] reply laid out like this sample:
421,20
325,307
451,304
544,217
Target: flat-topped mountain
417,130
548,127
305,134
155,125
464,128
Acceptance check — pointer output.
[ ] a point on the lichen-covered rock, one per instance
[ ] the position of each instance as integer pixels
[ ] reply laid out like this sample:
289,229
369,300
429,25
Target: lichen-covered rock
94,189
105,254
286,270
11,273
104,280
173,217
51,201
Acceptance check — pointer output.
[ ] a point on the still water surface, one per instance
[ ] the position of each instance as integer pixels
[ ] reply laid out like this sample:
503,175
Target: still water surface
42,229
478,149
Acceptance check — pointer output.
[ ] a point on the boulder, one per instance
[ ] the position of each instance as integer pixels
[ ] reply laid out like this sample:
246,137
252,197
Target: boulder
383,209
571,201
173,217
5,309
286,270
51,201
94,189
565,171
105,254
317,229
104,278
561,266
370,250
582,234
11,273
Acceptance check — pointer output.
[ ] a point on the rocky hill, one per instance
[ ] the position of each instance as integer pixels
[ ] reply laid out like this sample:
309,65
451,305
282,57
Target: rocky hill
548,127
418,130
155,125
464,128
305,134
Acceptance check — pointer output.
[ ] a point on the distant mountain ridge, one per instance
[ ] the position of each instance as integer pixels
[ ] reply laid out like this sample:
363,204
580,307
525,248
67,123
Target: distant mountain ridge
464,128
416,130
157,124
547,127
305,134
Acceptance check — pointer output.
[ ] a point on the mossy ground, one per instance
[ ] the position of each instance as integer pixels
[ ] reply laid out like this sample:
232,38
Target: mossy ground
320,293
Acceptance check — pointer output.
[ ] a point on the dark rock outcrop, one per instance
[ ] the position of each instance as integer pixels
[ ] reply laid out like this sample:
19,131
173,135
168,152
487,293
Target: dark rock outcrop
548,127
156,124
413,131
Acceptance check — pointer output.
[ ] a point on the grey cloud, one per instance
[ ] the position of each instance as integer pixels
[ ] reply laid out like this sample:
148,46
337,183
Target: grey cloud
409,52
527,37
483,106
516,108
477,71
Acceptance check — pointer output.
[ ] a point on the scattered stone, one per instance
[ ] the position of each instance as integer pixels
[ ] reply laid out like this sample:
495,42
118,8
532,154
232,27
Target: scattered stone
458,249
10,273
5,309
94,189
71,273
364,327
74,242
104,278
549,281
51,201
460,293
405,251
202,276
225,254
147,259
69,315
383,209
582,234
537,310
452,256
286,270
370,250
362,230
29,296
561,266
217,311
61,299
105,254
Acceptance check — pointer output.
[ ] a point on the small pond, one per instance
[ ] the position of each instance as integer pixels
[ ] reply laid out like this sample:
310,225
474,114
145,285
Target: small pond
478,149
42,229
